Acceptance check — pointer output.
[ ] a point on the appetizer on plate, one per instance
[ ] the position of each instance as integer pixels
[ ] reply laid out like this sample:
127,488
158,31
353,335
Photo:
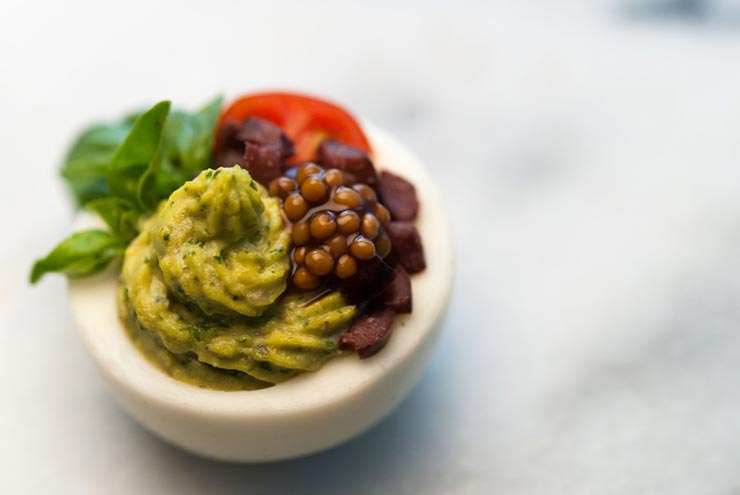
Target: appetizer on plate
232,262
252,243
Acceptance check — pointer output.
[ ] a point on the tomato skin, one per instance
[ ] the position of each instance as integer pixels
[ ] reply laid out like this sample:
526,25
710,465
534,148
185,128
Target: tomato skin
306,120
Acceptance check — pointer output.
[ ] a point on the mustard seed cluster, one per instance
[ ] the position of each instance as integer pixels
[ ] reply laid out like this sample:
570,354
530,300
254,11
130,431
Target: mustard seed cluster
335,226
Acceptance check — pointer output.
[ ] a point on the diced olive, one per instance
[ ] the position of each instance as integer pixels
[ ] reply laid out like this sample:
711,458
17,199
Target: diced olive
369,333
353,162
372,277
399,196
407,246
397,295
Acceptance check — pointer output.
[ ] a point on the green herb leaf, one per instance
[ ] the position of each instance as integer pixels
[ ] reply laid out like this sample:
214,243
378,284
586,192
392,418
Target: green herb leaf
121,171
82,253
87,160
121,215
186,150
137,152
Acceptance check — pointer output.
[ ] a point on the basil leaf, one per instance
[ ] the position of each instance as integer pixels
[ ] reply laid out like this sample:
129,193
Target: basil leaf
189,140
86,162
82,253
148,188
186,150
122,170
121,215
134,156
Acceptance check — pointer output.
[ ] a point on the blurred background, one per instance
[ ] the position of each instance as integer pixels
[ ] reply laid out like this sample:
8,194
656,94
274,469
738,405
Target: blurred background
590,158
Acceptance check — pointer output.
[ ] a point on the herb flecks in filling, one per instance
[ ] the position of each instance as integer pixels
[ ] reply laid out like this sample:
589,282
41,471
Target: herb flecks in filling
210,302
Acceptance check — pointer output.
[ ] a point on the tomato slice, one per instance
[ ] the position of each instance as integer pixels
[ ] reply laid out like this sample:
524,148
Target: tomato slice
306,120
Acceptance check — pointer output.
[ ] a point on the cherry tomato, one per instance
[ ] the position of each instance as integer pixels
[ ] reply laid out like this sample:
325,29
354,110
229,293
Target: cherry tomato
306,120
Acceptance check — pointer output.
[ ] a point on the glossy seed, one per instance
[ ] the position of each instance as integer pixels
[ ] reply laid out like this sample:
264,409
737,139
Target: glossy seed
274,189
314,189
305,170
383,245
337,245
370,227
383,214
305,280
346,266
323,225
319,262
334,177
301,233
348,197
299,255
295,207
282,187
366,192
361,248
287,185
348,222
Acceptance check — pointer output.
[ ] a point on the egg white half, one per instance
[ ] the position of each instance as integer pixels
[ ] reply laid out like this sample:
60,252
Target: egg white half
308,413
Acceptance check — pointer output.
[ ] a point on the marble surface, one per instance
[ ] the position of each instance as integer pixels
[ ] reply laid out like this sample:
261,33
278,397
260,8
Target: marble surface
591,161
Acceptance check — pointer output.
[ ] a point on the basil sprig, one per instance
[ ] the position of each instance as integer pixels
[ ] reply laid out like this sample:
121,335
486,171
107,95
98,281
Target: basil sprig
82,253
88,158
186,150
121,172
